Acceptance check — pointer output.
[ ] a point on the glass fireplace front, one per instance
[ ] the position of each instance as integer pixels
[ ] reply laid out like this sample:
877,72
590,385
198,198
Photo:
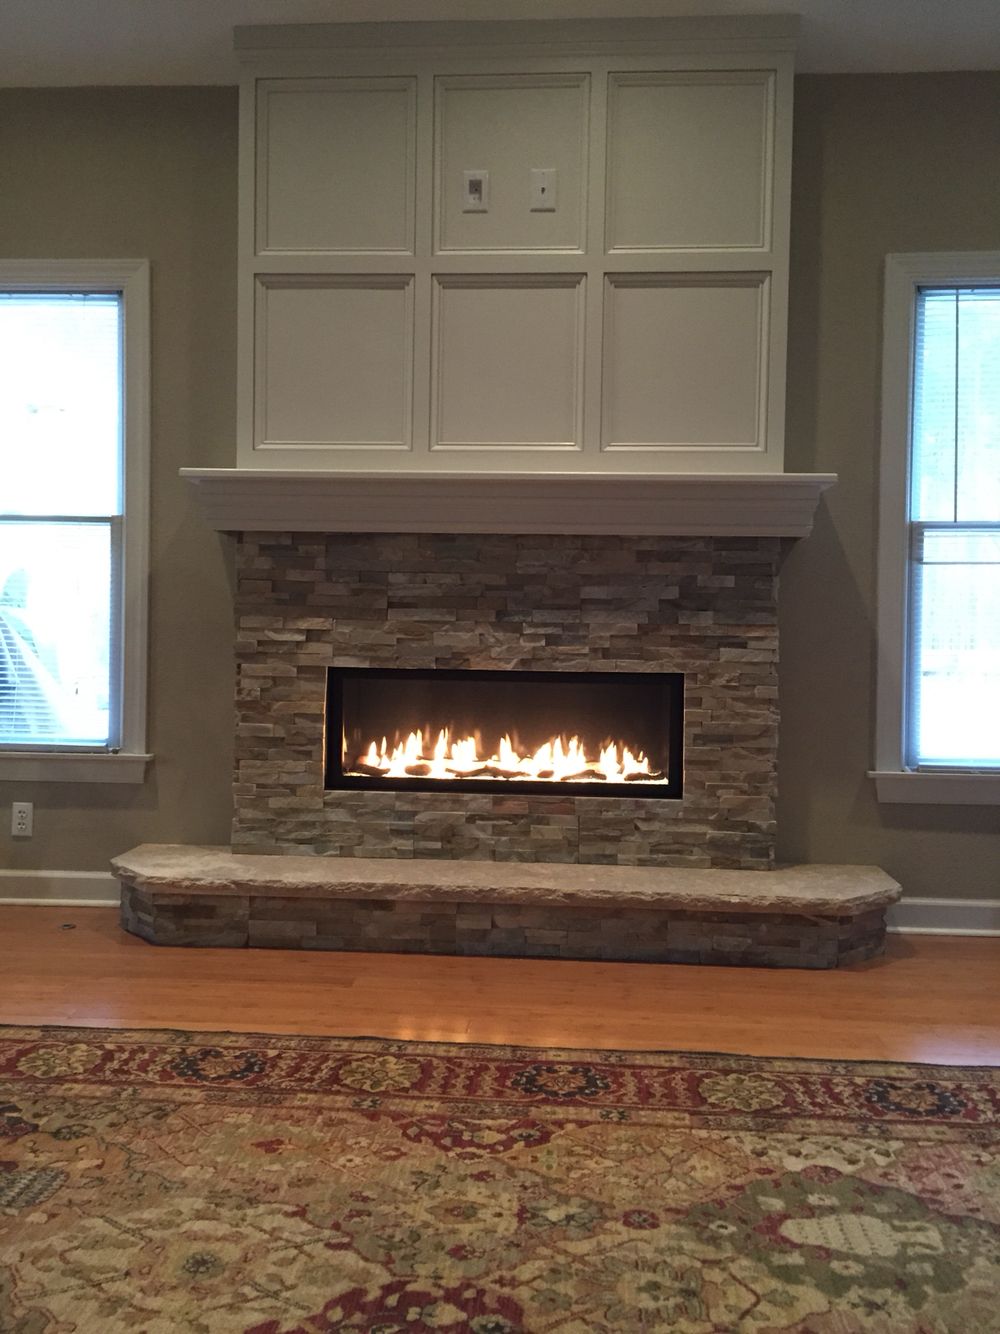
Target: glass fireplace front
573,733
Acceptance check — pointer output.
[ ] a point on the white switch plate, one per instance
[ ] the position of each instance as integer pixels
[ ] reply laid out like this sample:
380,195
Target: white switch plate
475,191
544,189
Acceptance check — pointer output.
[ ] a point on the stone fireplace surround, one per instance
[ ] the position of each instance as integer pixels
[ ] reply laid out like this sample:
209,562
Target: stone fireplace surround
703,606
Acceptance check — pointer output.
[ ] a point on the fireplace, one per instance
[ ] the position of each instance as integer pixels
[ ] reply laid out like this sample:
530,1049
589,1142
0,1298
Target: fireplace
664,646
525,732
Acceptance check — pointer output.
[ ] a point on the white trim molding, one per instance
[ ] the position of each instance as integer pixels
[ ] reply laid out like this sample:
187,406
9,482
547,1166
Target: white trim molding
894,781
920,787
80,889
679,504
945,917
542,37
65,766
127,763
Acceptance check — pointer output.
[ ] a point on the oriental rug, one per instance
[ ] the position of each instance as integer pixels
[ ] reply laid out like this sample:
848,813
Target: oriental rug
155,1182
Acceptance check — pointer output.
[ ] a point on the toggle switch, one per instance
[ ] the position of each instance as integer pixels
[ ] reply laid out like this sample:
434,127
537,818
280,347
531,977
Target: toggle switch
475,191
544,183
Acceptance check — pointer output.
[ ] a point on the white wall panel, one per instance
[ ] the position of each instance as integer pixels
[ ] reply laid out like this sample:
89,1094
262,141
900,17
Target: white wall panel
684,364
688,160
640,325
507,355
334,362
335,165
507,126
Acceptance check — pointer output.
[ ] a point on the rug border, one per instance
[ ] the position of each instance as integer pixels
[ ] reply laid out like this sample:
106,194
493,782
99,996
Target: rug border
876,1065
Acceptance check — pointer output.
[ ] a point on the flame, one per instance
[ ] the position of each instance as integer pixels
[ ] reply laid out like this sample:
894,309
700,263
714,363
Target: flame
559,760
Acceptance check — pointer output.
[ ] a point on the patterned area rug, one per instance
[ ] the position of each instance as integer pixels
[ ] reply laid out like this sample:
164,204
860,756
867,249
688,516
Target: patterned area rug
157,1182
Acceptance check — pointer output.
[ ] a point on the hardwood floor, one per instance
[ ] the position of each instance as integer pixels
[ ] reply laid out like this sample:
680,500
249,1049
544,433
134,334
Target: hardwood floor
931,999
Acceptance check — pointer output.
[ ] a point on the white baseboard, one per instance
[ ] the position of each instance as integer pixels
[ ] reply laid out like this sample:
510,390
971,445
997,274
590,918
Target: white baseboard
77,889
946,917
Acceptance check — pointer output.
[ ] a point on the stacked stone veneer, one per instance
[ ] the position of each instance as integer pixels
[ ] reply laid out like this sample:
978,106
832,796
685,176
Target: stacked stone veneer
404,926
706,607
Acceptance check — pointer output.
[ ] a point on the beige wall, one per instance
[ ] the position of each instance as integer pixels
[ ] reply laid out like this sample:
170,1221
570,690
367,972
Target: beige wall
881,164
143,173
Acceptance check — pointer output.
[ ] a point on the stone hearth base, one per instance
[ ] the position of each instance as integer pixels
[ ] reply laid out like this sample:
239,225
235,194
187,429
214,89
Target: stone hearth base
796,917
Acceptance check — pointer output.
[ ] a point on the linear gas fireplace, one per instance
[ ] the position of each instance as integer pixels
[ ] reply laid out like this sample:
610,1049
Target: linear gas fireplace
578,733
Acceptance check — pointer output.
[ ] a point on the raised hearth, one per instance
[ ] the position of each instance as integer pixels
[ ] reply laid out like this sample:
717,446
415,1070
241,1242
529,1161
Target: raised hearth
800,916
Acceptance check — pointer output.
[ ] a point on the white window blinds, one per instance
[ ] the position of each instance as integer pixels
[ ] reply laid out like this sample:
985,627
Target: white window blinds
953,644
61,471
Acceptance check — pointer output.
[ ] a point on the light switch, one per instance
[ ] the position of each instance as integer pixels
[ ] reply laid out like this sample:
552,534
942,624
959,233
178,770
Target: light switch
475,191
544,184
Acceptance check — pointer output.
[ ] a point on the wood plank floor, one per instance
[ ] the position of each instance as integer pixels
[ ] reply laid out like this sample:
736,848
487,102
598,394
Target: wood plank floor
930,999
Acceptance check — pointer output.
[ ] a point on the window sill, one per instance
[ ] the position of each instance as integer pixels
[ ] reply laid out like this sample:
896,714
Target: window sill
65,767
907,786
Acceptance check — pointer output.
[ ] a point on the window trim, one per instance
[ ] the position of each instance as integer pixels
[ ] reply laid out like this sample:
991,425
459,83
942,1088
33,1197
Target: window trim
894,781
128,763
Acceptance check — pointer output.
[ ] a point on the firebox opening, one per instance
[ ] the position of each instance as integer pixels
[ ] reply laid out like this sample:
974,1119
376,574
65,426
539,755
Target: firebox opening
572,733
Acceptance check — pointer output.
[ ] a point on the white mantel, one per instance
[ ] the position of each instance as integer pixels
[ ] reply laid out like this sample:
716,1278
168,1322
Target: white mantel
679,504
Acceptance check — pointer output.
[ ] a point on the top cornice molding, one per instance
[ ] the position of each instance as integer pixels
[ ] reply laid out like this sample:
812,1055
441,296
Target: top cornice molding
771,32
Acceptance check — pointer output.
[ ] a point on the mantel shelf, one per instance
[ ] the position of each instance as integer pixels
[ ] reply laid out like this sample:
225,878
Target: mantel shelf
679,504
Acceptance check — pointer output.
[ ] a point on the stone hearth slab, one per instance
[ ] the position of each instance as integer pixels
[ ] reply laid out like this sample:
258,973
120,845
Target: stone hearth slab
796,916
837,890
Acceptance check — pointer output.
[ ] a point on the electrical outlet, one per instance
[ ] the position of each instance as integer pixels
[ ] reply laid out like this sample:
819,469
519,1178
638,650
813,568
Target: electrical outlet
22,819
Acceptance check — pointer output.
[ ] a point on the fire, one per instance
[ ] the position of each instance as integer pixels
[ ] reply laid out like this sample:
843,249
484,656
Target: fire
559,760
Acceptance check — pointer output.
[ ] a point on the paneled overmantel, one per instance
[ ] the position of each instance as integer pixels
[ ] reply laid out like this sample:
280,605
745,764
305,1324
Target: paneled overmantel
746,505
517,247
514,277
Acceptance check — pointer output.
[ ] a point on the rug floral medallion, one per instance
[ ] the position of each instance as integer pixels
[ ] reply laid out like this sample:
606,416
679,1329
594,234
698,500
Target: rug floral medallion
155,1182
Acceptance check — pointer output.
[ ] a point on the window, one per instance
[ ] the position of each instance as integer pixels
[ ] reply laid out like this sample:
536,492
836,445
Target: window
938,727
74,370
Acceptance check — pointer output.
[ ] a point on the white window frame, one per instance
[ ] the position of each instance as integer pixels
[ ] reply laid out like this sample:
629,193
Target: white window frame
894,781
127,763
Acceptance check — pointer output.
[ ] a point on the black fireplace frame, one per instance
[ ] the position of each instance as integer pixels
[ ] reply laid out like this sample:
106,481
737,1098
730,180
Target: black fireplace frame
334,778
